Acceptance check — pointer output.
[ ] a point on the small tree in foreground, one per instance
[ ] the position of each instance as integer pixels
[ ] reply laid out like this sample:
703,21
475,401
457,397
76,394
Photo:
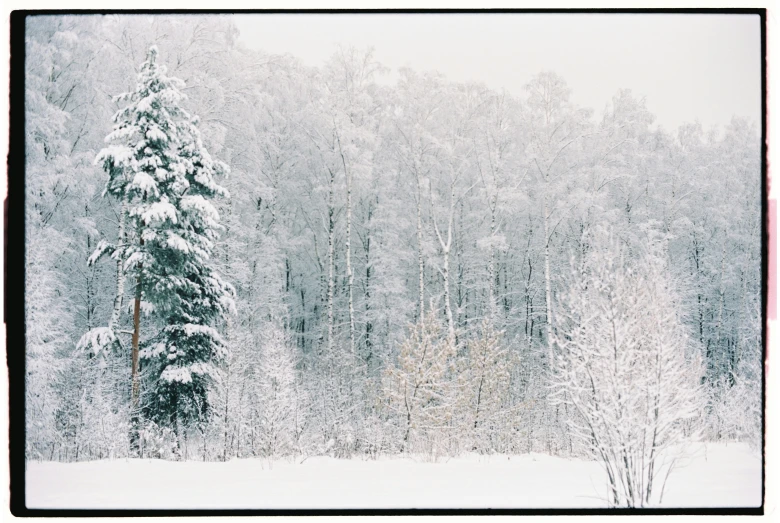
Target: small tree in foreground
484,389
420,389
629,370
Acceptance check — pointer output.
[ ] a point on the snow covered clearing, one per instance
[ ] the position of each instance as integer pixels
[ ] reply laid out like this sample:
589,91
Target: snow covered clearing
718,475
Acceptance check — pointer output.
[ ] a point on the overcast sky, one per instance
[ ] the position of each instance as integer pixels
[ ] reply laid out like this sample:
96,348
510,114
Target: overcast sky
688,66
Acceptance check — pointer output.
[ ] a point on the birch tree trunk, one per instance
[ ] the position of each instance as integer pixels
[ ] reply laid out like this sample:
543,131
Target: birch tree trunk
492,263
547,286
446,275
367,291
445,271
120,275
721,300
331,283
348,248
420,260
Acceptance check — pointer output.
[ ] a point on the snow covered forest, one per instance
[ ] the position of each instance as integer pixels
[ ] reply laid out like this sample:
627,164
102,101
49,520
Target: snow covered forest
243,256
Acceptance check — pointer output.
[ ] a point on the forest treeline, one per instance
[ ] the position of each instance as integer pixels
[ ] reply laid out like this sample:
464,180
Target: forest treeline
416,265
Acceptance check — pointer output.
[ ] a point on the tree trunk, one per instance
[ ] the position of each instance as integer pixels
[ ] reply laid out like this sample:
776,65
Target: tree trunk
227,413
492,265
134,397
331,283
445,271
548,300
461,293
447,306
721,300
548,288
369,324
120,275
420,260
529,324
350,276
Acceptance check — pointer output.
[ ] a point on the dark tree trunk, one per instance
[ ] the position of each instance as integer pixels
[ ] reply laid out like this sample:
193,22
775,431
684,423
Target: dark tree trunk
134,397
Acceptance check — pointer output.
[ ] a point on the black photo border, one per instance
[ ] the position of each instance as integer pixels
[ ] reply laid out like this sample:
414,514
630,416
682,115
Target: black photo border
14,274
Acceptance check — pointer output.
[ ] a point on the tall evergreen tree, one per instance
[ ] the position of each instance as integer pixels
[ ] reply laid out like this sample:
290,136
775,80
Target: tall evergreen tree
163,175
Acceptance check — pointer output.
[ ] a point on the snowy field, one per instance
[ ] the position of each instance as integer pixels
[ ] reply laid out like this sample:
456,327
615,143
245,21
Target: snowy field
716,476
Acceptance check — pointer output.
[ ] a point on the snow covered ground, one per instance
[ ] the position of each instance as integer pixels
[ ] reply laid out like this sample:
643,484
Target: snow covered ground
717,476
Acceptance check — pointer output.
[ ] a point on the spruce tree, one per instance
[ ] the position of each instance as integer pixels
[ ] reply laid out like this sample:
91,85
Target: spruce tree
164,177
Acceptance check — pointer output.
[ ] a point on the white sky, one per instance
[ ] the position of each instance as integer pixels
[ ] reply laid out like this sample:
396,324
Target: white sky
688,66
